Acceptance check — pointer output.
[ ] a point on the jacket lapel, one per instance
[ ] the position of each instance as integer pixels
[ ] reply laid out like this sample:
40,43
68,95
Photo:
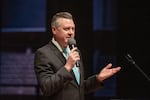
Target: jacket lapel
57,52
63,60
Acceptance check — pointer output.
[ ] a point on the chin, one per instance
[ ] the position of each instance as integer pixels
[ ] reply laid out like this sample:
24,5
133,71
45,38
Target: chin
66,45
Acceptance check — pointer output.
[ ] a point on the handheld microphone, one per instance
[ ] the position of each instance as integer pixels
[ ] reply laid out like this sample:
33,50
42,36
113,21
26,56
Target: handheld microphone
72,44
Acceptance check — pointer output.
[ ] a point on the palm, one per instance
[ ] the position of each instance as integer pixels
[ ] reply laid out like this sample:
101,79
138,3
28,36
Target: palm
107,72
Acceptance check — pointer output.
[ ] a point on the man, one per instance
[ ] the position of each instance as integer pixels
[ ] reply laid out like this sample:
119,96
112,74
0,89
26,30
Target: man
55,70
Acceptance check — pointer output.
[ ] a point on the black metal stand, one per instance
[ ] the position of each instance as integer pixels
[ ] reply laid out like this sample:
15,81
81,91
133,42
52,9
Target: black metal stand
130,59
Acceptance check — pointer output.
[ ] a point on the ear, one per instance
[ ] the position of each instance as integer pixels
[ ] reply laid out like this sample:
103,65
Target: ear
54,30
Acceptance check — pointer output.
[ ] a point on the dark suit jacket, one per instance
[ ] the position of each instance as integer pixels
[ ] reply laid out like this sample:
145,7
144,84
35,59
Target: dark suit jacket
55,81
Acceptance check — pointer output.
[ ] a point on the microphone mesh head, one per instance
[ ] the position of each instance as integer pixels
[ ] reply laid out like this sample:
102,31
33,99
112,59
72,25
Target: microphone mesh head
71,41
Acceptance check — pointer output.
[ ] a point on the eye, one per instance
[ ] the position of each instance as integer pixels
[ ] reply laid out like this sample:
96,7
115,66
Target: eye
67,28
73,29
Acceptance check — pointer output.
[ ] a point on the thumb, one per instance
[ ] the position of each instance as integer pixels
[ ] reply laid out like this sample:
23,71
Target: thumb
108,66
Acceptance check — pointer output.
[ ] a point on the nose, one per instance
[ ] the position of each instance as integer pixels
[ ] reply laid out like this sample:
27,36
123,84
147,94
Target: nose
70,35
71,32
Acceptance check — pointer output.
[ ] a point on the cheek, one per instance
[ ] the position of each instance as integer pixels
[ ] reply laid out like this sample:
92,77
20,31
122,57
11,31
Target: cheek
66,40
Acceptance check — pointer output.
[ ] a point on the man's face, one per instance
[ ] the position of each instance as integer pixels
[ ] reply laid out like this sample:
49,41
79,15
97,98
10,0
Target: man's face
65,31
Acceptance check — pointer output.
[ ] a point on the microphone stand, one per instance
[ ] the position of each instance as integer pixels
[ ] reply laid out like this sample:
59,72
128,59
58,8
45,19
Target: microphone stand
129,58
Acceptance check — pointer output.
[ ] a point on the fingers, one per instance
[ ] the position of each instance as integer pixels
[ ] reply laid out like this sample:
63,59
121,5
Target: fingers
109,66
115,70
74,54
74,49
73,57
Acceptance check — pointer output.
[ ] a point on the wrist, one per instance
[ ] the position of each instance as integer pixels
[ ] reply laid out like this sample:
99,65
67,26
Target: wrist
99,78
68,67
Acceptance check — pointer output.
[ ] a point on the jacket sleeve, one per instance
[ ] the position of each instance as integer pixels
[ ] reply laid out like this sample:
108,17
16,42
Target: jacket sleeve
92,84
50,80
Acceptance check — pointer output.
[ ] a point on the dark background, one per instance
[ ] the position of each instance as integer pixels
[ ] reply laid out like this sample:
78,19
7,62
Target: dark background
131,36
134,22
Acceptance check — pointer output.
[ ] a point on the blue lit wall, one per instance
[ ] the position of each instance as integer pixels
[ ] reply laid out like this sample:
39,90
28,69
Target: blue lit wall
104,15
104,27
20,21
24,16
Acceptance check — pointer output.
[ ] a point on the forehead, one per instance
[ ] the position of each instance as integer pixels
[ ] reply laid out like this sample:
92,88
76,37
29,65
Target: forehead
66,22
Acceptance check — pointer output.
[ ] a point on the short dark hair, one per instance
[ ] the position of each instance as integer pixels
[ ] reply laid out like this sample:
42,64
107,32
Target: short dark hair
66,15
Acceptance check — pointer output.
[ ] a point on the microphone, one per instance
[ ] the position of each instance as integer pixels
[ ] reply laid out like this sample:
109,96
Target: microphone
130,59
72,44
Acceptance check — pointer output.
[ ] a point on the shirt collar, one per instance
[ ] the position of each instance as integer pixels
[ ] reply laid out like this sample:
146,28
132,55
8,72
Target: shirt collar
57,45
